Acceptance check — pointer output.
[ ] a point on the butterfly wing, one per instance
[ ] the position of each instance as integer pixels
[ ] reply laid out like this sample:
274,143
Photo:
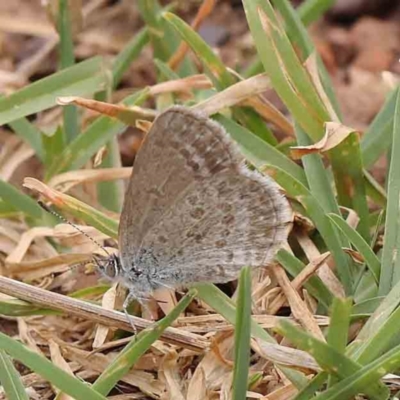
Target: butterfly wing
181,149
238,218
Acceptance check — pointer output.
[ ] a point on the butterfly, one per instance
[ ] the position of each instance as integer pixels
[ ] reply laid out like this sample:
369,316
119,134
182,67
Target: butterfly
193,211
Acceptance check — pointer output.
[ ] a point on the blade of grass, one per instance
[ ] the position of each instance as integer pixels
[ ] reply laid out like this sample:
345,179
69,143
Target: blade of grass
310,10
53,145
362,379
221,303
10,379
81,210
377,319
258,151
67,59
37,363
30,134
378,137
84,78
390,272
163,38
80,150
322,223
314,285
360,244
317,178
314,385
137,347
285,70
242,336
330,359
339,327
19,201
219,75
111,194
267,51
129,53
367,307
381,341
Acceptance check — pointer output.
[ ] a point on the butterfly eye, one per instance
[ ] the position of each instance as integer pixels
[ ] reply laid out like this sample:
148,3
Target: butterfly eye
111,269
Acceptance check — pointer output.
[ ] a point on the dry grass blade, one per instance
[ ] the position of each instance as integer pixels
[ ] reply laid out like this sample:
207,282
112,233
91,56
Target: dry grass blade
66,181
287,356
299,309
95,313
312,67
111,110
298,281
244,92
324,271
203,12
185,85
335,133
109,301
13,153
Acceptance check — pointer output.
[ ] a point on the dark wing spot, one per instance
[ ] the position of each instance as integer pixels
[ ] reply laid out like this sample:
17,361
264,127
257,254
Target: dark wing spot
228,219
197,213
194,165
162,239
220,243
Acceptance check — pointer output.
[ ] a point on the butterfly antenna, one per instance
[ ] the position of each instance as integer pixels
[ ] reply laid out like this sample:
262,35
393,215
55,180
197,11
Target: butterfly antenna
60,217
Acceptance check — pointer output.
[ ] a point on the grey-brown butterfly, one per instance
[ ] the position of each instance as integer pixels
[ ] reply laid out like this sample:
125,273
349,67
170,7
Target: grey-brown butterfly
193,212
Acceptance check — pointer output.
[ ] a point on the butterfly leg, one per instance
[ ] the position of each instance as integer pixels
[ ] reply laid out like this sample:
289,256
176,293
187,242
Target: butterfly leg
128,300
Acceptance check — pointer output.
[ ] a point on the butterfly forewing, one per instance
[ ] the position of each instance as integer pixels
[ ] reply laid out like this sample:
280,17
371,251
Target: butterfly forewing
181,149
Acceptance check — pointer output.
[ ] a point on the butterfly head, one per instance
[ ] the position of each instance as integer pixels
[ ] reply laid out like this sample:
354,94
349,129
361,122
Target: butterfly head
109,267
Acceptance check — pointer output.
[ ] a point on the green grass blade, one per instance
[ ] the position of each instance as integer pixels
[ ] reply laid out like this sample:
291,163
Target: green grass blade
53,145
111,194
367,307
378,137
268,54
317,177
129,53
10,379
162,36
45,368
349,178
259,152
19,201
360,244
338,329
319,217
90,215
314,385
224,306
216,69
330,359
67,59
381,341
219,75
311,10
242,336
377,319
84,78
298,75
359,381
303,44
137,347
30,134
390,273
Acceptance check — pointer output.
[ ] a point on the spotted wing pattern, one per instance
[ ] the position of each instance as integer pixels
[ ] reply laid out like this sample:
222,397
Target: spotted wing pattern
193,212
